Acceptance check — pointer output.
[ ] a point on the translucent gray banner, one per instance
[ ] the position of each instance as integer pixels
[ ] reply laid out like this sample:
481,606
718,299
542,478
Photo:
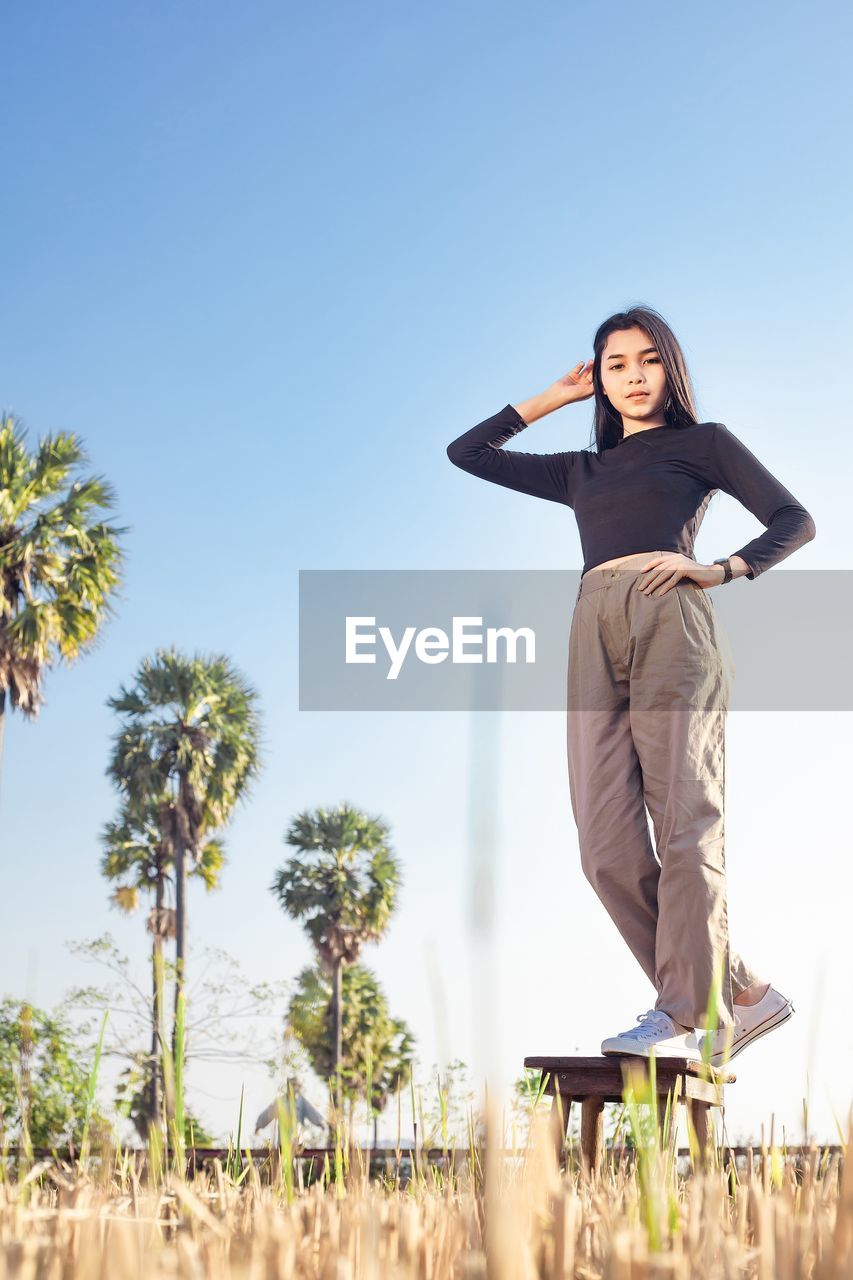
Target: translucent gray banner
490,640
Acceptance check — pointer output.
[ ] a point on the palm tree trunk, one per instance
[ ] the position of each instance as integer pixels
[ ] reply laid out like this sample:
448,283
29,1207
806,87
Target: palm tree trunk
156,1113
26,1052
180,930
339,1023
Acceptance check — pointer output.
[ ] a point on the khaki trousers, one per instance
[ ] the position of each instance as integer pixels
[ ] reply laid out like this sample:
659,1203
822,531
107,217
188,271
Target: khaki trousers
649,682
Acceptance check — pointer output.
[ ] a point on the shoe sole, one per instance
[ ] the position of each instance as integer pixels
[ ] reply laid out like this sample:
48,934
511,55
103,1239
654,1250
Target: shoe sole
680,1054
769,1024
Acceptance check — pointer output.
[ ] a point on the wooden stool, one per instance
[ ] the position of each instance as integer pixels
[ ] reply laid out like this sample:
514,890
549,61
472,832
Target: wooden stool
594,1081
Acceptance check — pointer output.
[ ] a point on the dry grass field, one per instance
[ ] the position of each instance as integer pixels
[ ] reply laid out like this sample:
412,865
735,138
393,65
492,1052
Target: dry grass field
488,1215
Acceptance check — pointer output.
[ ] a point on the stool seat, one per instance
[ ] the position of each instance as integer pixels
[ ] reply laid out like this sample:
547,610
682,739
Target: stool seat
593,1081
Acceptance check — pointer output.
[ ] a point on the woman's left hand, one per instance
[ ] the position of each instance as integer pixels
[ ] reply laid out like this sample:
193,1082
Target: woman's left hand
669,568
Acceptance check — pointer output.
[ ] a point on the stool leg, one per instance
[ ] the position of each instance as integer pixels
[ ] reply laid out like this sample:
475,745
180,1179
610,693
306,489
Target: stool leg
592,1131
700,1116
561,1117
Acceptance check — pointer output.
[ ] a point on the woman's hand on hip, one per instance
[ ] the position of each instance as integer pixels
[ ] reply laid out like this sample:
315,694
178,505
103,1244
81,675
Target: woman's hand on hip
667,570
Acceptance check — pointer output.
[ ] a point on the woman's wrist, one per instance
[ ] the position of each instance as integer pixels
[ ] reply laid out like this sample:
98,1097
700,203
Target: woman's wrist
739,568
545,402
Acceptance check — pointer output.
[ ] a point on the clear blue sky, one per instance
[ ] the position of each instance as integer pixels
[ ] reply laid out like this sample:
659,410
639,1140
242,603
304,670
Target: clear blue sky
268,261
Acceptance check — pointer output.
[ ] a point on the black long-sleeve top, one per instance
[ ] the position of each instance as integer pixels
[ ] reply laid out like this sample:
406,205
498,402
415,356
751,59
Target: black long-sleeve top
650,491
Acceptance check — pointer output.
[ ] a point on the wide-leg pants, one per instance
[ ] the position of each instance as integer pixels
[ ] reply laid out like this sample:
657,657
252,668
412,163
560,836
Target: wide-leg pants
649,682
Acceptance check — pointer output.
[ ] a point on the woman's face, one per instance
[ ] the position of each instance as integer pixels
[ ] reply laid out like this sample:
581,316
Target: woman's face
633,378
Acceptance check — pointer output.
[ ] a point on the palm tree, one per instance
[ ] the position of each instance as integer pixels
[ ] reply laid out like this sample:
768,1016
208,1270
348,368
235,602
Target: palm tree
190,736
59,561
343,883
375,1045
138,855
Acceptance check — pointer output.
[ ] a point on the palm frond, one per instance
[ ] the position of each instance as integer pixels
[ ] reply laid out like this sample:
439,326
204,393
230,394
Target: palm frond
60,561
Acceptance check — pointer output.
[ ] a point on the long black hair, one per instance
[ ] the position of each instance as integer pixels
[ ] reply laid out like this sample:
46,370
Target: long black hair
679,407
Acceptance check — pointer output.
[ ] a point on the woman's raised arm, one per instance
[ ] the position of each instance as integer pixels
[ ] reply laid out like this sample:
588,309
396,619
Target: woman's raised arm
480,450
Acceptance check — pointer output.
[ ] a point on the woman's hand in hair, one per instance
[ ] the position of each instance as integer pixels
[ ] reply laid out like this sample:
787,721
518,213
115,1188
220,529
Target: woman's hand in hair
576,384
666,571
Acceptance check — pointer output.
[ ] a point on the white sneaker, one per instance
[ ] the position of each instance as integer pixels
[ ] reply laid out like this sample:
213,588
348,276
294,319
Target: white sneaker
656,1031
751,1022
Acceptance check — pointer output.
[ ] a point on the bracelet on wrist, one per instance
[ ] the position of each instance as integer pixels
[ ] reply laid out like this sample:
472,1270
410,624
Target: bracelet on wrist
727,568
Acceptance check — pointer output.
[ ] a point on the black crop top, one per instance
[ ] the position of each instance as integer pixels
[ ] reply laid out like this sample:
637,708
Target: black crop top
650,491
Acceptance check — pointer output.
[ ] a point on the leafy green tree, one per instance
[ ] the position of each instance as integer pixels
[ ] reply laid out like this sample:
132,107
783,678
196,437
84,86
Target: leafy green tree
138,858
342,883
44,1078
190,743
59,561
373,1043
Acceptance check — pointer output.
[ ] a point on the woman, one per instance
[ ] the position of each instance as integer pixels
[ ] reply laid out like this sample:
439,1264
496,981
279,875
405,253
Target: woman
649,673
